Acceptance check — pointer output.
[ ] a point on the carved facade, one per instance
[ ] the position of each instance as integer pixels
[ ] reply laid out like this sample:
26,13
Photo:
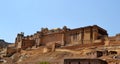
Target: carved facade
64,37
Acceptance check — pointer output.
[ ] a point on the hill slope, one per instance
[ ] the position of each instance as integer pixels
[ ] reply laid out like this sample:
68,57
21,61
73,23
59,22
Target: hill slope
3,44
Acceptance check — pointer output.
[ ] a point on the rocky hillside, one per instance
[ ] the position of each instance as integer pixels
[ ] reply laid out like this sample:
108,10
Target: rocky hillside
44,55
3,43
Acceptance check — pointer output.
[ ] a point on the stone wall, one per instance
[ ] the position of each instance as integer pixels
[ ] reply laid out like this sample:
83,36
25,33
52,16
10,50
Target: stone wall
114,40
10,51
27,44
84,61
51,38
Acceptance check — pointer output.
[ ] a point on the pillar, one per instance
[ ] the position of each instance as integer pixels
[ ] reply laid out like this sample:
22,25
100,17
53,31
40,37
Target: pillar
63,39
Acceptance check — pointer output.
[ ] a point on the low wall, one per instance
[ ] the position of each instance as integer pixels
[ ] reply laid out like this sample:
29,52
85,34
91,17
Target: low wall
66,50
10,51
84,61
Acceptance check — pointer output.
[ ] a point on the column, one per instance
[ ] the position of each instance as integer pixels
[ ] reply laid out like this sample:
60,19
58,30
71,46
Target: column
63,40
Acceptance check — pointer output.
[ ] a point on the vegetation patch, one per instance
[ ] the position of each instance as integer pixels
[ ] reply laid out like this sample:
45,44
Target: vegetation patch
44,62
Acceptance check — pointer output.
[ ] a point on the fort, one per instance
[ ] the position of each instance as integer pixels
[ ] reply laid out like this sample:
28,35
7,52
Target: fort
84,45
63,37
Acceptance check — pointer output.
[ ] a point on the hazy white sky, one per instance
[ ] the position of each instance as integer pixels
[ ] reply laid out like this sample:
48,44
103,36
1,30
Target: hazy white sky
30,16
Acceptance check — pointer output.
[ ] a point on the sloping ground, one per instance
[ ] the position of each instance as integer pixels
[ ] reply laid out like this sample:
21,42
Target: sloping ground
24,56
110,59
57,57
35,56
3,44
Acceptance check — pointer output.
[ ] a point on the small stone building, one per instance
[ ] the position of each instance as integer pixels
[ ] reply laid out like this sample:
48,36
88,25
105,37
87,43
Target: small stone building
84,61
94,54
